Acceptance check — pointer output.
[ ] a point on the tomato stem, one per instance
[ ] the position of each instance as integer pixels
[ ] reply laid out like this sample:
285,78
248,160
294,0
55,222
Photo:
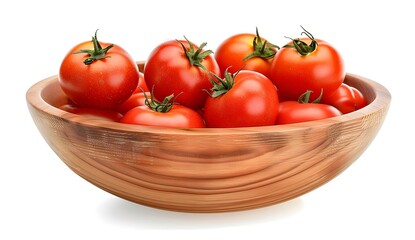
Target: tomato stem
97,53
196,57
157,106
301,46
222,85
263,50
305,97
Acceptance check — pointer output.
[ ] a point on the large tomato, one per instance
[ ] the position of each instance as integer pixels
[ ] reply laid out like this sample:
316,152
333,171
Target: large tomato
244,99
182,68
164,114
346,99
246,51
307,64
99,75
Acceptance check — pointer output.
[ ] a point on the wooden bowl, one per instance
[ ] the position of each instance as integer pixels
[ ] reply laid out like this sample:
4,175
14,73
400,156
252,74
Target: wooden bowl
207,170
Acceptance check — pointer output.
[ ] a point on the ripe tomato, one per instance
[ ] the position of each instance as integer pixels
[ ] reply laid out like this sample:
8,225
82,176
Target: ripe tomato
359,98
164,114
346,99
142,86
102,114
307,64
246,51
180,67
99,75
243,99
294,112
135,100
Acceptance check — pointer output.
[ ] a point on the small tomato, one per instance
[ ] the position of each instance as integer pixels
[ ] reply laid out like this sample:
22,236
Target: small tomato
346,99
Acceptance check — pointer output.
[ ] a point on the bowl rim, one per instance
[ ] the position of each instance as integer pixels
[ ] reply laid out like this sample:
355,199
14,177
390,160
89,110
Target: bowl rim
381,100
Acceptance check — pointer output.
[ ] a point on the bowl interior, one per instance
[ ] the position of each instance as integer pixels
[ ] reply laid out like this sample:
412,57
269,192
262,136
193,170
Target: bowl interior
52,96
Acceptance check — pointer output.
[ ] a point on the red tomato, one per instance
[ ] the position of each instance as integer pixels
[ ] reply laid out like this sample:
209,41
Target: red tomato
142,86
180,67
359,98
244,99
346,99
99,75
307,64
135,100
93,113
178,116
294,112
246,51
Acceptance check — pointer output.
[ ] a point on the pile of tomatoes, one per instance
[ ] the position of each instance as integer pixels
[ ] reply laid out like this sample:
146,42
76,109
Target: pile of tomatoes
247,81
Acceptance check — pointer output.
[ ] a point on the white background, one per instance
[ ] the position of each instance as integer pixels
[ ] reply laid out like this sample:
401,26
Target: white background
42,199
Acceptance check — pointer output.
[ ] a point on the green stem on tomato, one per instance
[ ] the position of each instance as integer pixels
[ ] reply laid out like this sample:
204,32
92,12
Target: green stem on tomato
305,97
97,53
263,50
222,85
196,57
302,47
164,106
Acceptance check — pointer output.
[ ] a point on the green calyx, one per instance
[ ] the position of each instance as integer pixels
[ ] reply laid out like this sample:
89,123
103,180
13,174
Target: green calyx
157,106
263,50
303,48
222,85
196,57
97,53
305,97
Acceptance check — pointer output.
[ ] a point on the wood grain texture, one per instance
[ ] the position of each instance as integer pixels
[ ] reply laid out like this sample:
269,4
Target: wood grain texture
207,170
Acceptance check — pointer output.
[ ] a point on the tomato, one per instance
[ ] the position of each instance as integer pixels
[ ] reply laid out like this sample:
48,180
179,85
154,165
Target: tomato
164,114
246,51
180,67
359,98
93,113
178,117
294,112
135,100
99,75
244,99
346,99
307,64
138,97
142,86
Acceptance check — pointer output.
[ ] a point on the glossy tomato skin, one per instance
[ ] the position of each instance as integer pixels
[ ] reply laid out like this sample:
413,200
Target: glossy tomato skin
142,86
252,101
346,98
295,112
233,50
178,117
169,71
93,113
103,84
360,100
135,100
294,74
